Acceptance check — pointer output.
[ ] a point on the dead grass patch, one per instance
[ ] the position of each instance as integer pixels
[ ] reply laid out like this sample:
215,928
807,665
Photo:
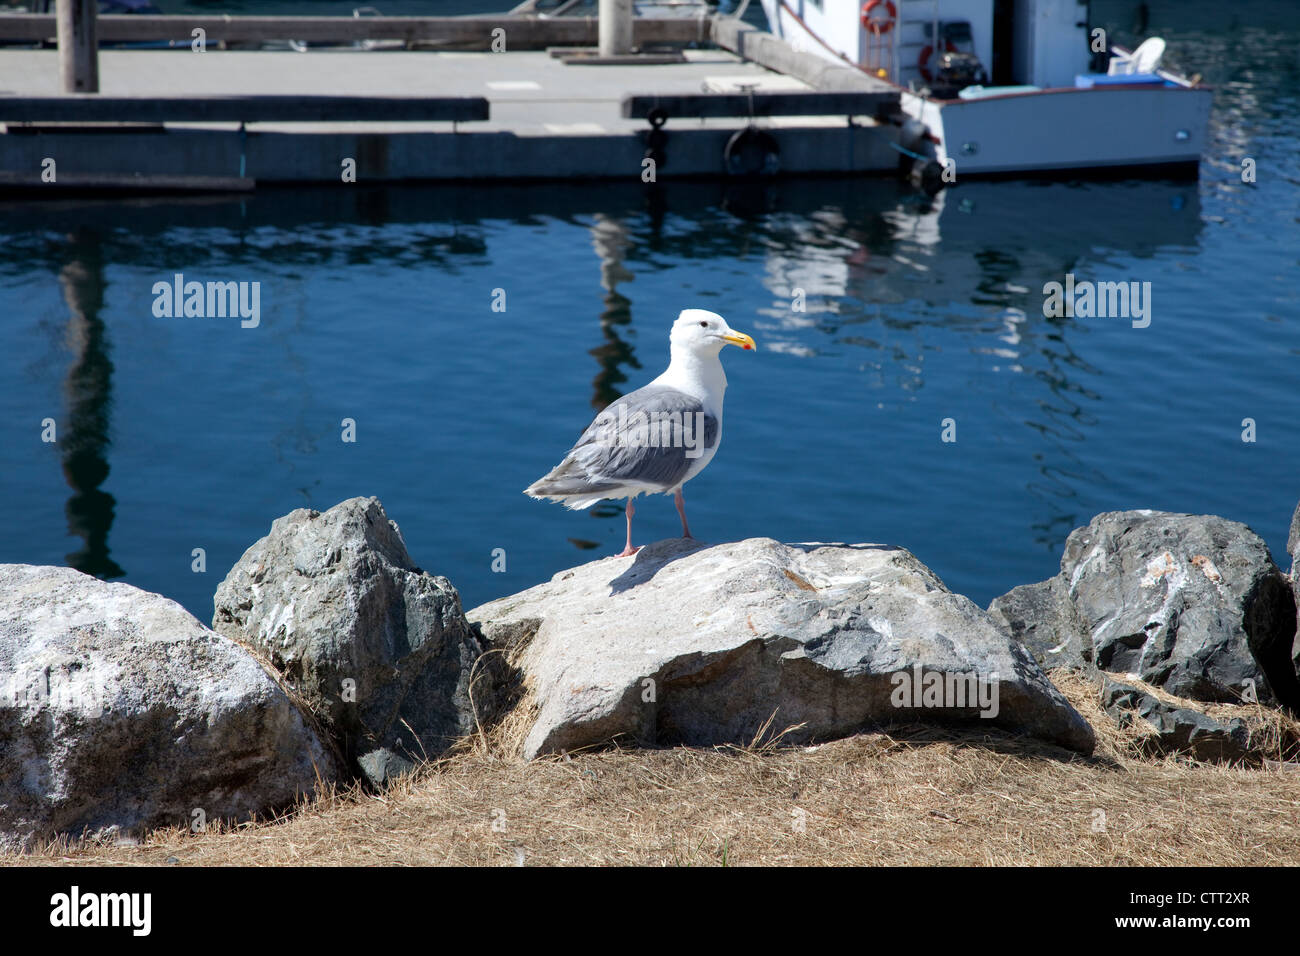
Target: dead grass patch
1274,734
910,796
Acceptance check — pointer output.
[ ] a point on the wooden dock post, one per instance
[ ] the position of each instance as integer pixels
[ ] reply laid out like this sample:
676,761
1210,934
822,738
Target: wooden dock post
615,27
78,47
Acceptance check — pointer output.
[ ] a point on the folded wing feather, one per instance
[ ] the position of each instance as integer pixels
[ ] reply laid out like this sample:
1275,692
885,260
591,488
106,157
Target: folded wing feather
608,461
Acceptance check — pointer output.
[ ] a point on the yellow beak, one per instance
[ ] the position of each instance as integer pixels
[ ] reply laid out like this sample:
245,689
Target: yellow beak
741,339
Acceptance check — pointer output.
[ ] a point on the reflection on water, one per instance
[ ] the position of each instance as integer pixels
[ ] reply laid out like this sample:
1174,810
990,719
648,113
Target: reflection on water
977,258
914,308
885,276
610,239
87,386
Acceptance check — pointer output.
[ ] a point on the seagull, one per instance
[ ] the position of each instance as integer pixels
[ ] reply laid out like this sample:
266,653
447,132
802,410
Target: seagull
653,440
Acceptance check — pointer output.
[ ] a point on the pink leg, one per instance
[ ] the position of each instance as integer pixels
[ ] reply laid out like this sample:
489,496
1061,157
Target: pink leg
681,512
629,550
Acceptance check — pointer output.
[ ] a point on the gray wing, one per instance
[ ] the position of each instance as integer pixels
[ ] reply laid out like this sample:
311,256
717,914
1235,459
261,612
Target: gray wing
650,436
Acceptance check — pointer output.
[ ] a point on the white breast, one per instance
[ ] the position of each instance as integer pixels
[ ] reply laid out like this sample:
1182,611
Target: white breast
703,378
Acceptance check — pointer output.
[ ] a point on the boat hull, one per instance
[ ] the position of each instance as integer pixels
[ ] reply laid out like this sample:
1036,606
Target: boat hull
1050,131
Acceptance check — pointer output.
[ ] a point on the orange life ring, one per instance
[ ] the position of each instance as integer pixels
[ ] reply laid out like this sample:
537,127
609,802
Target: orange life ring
923,61
874,23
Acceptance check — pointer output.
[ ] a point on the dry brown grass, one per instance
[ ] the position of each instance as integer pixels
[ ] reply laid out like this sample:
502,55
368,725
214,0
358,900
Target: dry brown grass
1274,735
912,796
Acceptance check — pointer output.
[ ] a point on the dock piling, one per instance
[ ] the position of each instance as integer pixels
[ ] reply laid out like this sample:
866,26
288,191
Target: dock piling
78,46
615,27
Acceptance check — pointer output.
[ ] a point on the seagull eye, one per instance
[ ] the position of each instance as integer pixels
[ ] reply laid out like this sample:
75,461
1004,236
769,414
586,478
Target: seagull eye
704,325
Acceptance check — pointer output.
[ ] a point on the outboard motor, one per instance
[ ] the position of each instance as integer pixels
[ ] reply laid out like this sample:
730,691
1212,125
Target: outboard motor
957,71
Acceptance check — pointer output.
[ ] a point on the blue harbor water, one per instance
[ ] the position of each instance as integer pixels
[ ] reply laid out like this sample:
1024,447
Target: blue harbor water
376,305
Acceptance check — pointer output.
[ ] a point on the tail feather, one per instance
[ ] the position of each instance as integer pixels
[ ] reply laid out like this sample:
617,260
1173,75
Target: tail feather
543,488
569,483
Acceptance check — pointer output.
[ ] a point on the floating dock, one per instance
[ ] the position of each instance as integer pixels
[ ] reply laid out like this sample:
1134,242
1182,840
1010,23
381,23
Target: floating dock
709,97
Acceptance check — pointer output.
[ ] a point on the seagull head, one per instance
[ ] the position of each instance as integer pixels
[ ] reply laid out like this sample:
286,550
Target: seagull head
705,333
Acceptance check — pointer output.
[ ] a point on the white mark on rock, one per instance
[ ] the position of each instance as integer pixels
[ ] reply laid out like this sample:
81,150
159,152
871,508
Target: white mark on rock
1097,552
882,626
1158,568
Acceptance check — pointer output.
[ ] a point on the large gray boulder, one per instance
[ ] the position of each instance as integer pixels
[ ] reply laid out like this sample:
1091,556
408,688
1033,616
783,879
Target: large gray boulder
1190,603
379,649
701,645
119,712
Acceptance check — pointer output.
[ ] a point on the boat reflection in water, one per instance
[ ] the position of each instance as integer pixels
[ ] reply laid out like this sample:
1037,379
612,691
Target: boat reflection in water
975,260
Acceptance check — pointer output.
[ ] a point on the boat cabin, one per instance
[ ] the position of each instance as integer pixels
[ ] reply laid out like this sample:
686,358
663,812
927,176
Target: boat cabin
1040,43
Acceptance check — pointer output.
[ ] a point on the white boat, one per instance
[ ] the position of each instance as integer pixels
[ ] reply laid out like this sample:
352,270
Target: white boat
1012,91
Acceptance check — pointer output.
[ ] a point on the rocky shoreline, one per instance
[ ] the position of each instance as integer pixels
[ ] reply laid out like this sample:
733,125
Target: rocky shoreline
333,657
